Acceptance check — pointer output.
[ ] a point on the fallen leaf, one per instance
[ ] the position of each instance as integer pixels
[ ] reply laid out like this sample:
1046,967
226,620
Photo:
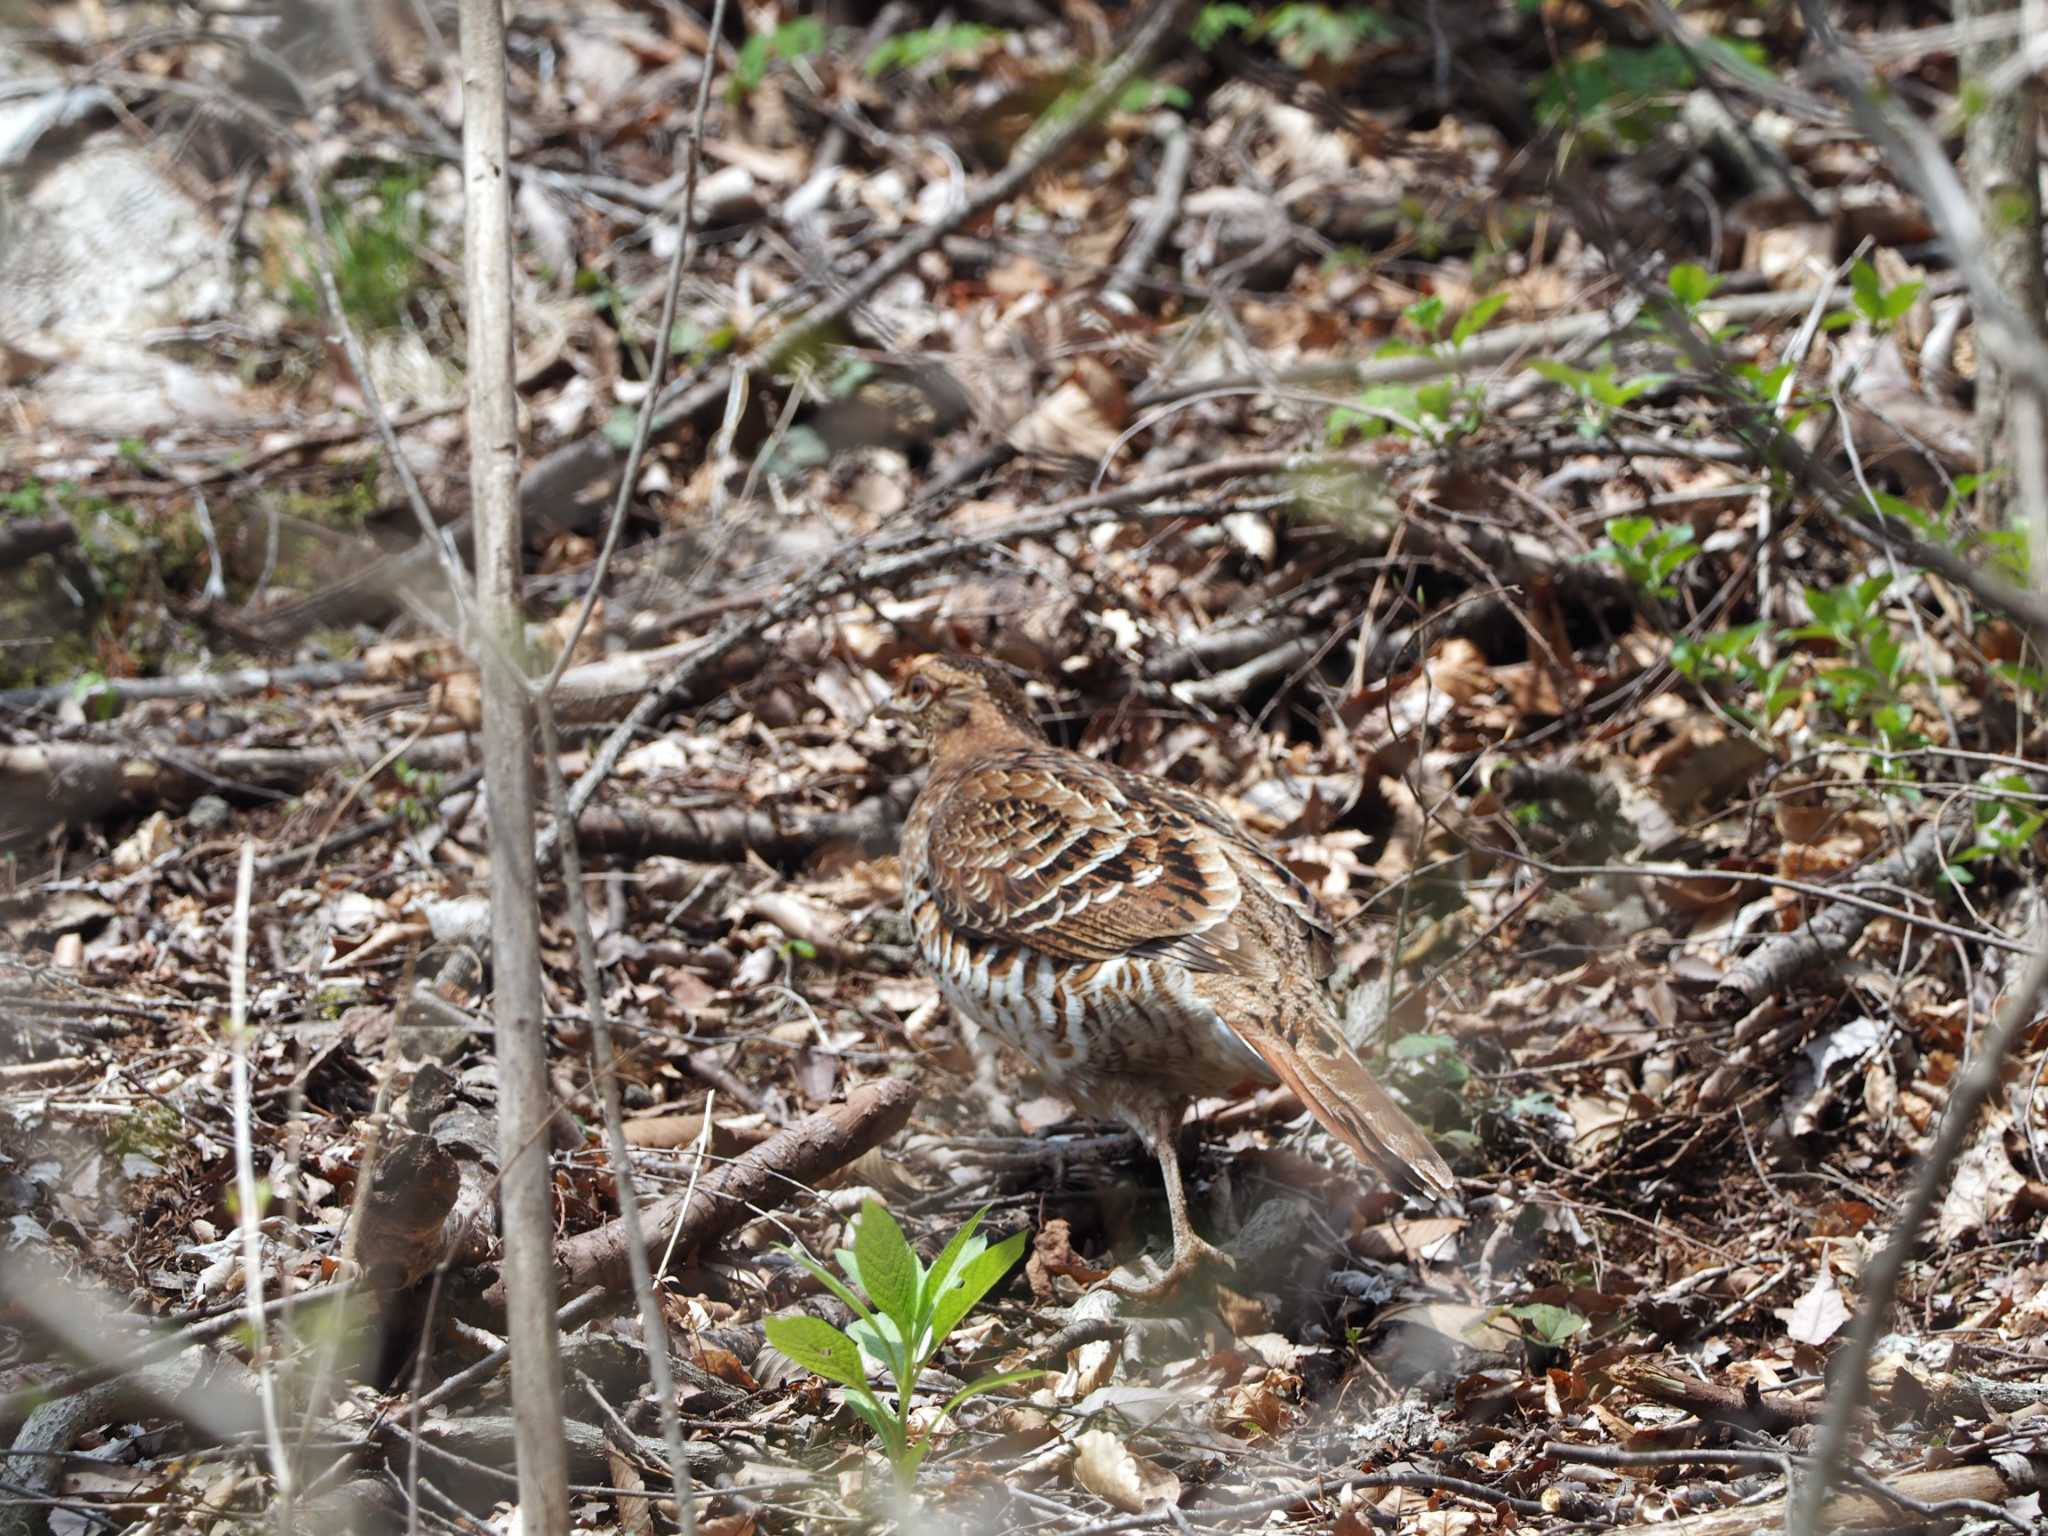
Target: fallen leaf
1106,1467
1819,1315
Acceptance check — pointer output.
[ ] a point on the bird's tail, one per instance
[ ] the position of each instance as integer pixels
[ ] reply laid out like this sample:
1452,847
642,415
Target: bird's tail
1348,1101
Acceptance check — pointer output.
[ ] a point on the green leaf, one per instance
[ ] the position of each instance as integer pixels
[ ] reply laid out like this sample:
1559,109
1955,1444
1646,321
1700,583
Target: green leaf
884,1341
976,1281
818,1347
1691,284
832,1283
889,1271
1420,1047
951,1257
913,49
1900,299
1426,315
1551,1324
985,1384
1474,320
1216,22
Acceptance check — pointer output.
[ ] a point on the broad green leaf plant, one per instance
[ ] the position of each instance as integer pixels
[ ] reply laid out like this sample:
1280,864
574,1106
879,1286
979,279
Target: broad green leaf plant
903,1312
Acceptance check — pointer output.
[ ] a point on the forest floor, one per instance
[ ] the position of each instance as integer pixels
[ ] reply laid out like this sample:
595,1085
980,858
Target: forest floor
1519,461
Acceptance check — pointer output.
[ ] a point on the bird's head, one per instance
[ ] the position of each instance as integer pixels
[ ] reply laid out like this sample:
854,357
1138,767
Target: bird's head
962,700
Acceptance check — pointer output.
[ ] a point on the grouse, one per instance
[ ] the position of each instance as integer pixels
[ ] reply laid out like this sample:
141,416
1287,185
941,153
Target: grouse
1126,937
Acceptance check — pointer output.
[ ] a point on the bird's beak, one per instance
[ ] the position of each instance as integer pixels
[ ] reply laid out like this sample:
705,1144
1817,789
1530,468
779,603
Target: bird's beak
891,709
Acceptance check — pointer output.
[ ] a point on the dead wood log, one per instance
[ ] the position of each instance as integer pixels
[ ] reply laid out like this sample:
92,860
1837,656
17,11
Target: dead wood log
727,834
42,783
1980,1485
1744,1405
25,538
207,1390
1775,963
791,1160
239,683
398,1236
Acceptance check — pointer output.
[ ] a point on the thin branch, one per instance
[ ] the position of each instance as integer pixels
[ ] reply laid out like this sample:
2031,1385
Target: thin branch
1849,1372
653,1327
526,1202
251,1214
643,426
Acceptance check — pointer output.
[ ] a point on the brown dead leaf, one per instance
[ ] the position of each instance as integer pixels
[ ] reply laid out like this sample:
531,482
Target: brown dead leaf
1242,1315
1052,1254
1018,276
1082,418
1107,1468
1264,1405
1429,1238
1985,1187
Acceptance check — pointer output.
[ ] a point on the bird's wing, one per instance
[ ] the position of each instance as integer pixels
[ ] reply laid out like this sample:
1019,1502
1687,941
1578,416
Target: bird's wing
1083,862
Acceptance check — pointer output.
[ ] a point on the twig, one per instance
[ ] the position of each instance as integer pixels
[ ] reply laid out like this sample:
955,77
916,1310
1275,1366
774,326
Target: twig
199,685
1774,882
251,1214
644,423
795,1158
1167,191
526,1202
1849,1375
653,1327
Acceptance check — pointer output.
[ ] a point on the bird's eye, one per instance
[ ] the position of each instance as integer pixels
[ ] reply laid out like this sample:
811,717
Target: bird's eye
920,692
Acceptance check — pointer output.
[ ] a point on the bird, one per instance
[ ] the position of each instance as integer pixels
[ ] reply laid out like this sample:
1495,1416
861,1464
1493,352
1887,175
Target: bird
1127,937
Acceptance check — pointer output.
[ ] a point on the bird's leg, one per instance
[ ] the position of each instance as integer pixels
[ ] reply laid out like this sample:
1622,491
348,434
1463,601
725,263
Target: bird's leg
1157,1124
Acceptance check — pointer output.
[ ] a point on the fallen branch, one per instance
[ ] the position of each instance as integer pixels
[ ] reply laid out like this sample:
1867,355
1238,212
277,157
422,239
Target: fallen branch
25,538
1744,1405
728,834
1820,943
1489,349
42,783
1910,1500
238,684
792,1160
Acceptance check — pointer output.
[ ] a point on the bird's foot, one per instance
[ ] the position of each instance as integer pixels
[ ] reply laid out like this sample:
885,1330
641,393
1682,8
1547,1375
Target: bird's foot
1188,1257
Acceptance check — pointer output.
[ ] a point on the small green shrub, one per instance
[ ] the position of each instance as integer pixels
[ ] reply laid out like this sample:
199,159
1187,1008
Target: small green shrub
377,243
903,1313
798,39
913,50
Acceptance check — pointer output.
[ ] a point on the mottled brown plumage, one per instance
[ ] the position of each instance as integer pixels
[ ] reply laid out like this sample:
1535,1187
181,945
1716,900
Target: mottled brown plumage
1126,936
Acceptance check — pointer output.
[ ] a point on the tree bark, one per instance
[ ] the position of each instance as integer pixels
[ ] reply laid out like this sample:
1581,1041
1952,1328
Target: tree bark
2001,168
525,1191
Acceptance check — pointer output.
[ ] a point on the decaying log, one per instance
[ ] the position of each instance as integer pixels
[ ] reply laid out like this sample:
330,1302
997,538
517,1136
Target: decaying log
211,1391
731,1195
24,538
1860,1511
1710,1400
1774,964
42,783
871,825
